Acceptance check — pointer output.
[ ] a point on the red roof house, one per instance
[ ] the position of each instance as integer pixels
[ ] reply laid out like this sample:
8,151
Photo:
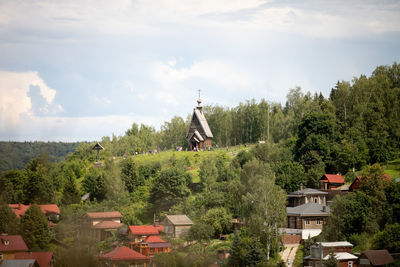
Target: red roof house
356,183
44,259
123,255
11,244
331,181
138,233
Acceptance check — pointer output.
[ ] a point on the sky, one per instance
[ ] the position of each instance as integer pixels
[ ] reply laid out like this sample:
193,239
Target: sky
79,70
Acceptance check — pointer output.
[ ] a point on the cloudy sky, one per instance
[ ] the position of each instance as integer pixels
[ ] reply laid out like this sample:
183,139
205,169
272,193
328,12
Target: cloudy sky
83,69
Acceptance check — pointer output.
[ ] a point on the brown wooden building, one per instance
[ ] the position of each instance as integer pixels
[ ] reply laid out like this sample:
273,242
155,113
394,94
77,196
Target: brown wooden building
199,135
176,225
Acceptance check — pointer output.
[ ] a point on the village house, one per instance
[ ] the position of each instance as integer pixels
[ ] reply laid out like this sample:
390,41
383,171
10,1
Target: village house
138,233
99,225
331,181
374,258
43,258
123,256
10,245
51,211
152,245
199,135
176,225
306,220
307,195
341,250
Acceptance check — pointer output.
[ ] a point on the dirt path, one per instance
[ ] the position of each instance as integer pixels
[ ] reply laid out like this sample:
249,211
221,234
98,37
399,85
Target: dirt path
289,253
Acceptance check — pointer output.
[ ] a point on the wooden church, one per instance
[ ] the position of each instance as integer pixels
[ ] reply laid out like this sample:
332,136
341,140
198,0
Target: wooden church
199,135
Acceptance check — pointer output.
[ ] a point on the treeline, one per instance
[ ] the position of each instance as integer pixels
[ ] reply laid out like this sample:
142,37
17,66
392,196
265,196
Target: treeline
15,155
358,124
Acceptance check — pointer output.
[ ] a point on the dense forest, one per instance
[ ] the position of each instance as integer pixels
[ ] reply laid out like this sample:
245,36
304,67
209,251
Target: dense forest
15,155
355,130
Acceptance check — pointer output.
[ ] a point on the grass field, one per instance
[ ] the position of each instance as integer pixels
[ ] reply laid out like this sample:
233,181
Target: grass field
392,168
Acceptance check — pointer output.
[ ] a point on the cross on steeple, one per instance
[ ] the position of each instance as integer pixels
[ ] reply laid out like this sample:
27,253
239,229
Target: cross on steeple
199,93
199,100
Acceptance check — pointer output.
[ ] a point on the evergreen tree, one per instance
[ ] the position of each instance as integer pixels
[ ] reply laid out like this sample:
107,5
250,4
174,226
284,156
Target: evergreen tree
331,261
35,228
255,255
236,257
9,223
71,194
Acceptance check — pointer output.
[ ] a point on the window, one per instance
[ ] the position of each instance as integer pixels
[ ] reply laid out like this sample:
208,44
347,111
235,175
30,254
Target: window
349,264
318,221
307,221
1,256
315,200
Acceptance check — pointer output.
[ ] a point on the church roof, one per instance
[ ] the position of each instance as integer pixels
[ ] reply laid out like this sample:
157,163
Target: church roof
203,122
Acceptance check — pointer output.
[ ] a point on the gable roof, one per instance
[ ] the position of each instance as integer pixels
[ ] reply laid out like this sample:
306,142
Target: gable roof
333,178
123,254
20,209
203,122
108,225
18,263
341,256
12,243
378,257
104,215
336,244
179,219
43,258
306,191
153,239
143,230
308,209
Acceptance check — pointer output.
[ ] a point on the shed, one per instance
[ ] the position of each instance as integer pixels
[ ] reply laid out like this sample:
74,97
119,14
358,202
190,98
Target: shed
176,225
375,258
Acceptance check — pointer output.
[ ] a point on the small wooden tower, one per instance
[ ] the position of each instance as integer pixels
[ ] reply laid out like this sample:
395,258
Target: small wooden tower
98,147
199,135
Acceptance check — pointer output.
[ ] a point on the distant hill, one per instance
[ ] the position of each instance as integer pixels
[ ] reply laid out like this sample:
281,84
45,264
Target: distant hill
15,155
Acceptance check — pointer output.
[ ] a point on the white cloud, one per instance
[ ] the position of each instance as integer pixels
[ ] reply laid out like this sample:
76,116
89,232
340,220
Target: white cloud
14,99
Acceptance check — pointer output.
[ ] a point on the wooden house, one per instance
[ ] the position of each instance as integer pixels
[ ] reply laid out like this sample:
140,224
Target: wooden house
152,245
374,258
99,225
199,135
138,233
176,225
123,256
341,250
10,245
331,181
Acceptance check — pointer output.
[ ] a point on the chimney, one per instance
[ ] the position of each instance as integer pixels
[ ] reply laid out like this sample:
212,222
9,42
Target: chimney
301,186
156,223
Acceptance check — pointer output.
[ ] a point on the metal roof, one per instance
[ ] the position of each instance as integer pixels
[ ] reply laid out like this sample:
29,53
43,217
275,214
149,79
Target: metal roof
306,191
18,263
179,219
308,209
336,244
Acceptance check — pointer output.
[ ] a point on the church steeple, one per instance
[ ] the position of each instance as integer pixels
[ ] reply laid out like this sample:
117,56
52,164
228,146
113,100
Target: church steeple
199,101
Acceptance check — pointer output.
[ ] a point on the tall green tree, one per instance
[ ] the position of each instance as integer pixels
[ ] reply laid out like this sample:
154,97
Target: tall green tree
70,191
35,228
9,223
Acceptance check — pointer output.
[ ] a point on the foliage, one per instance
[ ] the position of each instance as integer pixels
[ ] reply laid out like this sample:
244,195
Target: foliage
35,228
298,259
71,194
331,261
200,232
389,238
219,219
169,188
350,214
9,223
15,155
